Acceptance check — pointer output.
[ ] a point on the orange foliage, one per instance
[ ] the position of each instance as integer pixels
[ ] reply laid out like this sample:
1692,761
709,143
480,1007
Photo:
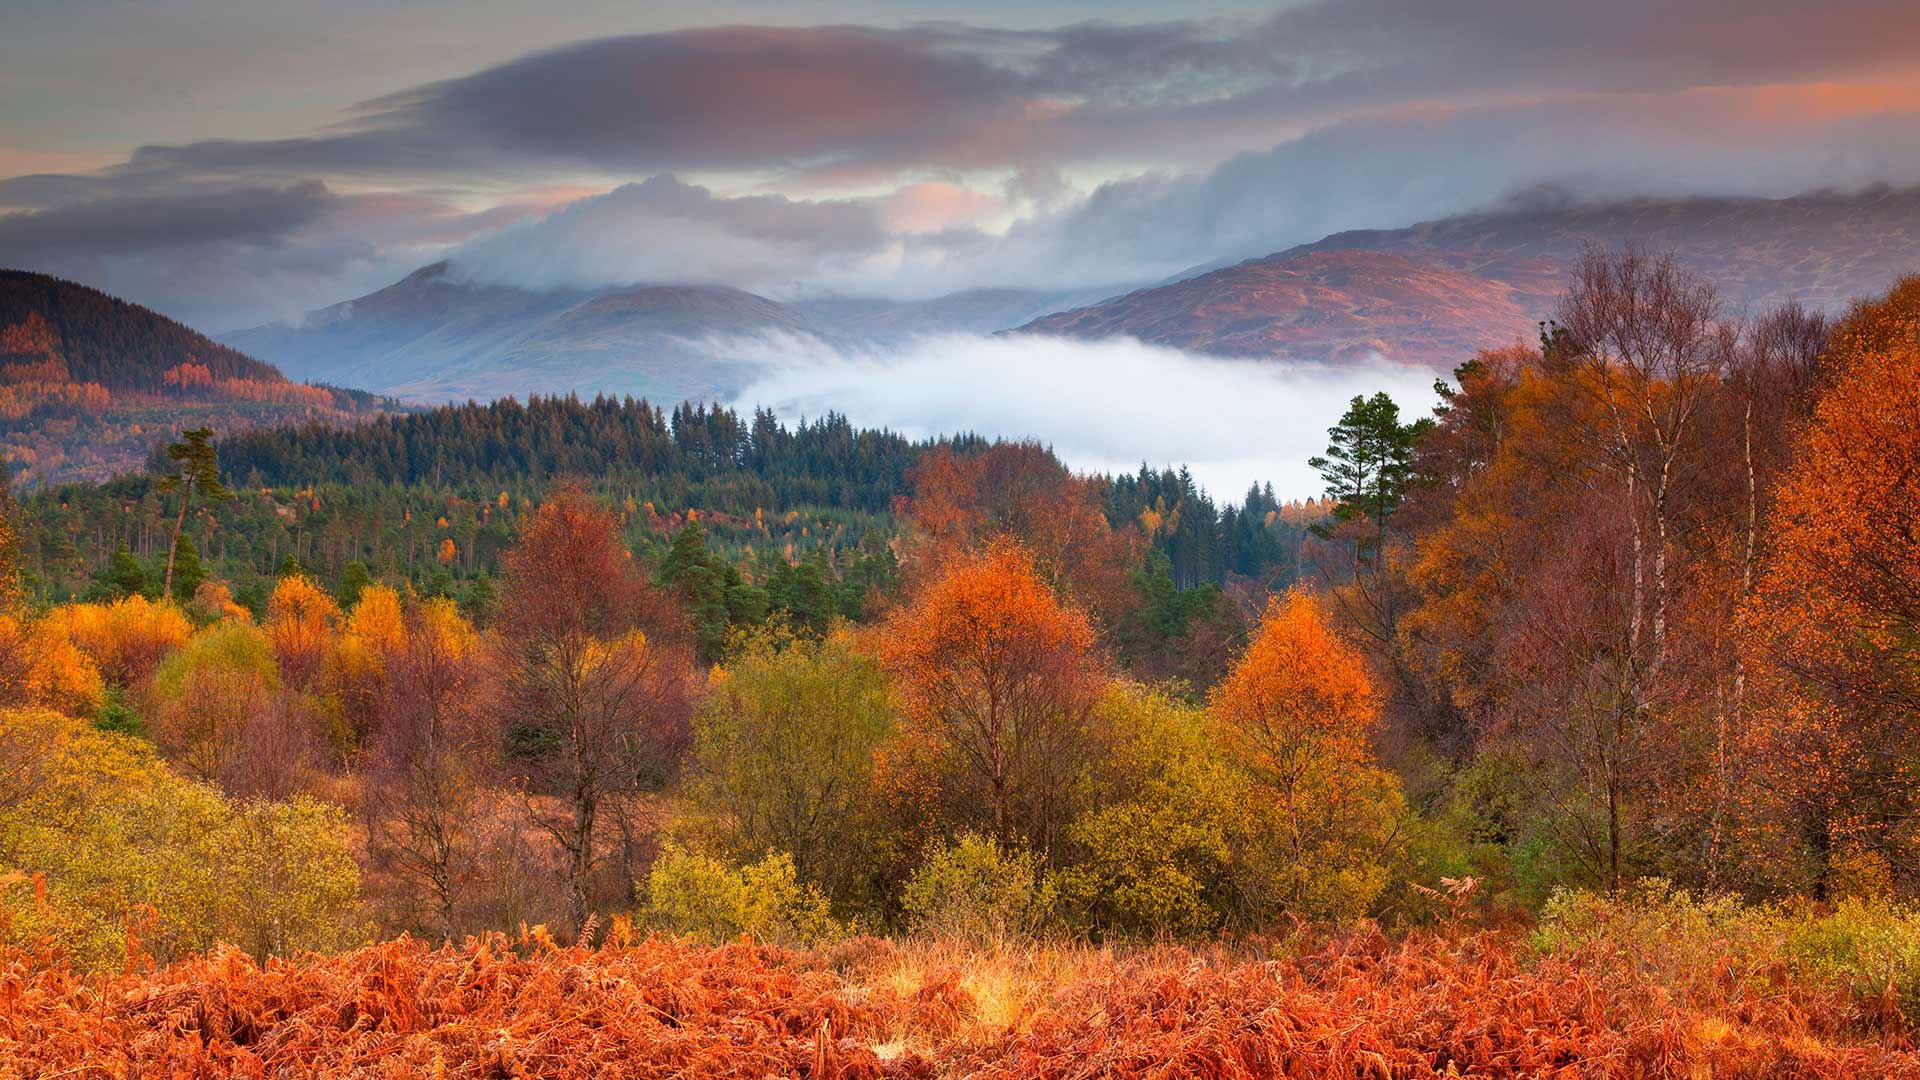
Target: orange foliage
1299,707
1021,492
1360,1006
999,678
127,637
39,665
1836,614
302,620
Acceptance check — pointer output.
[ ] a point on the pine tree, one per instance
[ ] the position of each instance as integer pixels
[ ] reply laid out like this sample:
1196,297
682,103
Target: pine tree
197,469
1367,467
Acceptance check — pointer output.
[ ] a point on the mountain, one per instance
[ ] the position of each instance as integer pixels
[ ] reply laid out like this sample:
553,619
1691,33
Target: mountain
432,336
435,337
90,383
1432,293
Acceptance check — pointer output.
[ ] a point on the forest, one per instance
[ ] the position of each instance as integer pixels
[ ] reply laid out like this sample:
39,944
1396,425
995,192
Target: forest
1573,732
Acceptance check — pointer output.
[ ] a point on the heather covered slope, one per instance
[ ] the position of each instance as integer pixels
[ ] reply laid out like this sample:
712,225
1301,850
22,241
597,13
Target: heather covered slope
88,382
1433,293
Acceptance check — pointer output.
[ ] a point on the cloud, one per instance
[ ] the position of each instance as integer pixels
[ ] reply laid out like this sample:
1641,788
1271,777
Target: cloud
664,230
1103,406
913,160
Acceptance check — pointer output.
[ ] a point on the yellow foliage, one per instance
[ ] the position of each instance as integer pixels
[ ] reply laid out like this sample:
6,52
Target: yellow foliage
40,665
302,620
102,841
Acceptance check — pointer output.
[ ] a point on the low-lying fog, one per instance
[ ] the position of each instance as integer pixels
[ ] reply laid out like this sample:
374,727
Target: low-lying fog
1103,406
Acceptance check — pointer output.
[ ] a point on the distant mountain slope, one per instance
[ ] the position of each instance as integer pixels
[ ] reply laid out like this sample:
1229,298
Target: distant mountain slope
100,339
1323,306
434,337
89,383
1431,293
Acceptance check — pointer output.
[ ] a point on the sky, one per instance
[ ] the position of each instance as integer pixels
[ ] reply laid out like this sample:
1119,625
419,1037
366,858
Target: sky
231,163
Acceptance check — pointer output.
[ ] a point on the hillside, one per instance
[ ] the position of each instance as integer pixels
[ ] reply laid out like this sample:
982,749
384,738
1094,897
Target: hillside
89,383
1432,293
1325,306
433,337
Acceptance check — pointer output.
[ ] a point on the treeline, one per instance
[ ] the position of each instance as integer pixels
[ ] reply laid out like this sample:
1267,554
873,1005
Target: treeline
710,457
397,493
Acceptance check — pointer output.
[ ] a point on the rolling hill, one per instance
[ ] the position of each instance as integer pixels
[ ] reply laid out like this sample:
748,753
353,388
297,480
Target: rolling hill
90,383
1432,293
434,337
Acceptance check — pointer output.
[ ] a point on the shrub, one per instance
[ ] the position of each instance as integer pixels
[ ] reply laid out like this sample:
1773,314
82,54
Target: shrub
784,752
978,891
703,898
102,840
1864,945
1151,860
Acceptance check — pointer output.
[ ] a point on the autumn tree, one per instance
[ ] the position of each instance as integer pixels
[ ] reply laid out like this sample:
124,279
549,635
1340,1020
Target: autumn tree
302,623
219,714
598,691
1020,492
1836,610
998,679
196,470
784,754
1298,713
12,561
429,766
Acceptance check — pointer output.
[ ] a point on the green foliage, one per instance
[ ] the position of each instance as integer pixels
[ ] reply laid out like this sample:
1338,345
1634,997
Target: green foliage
1368,464
354,580
117,716
978,891
704,898
784,751
713,595
188,570
122,577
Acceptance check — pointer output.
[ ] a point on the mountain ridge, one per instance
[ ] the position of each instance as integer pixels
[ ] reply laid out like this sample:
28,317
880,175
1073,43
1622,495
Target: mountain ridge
1432,292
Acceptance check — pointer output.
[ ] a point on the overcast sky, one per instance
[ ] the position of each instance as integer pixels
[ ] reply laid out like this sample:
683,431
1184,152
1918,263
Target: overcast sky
234,162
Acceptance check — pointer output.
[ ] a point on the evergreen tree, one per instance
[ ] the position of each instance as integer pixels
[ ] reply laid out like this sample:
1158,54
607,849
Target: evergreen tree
1367,466
698,578
188,571
354,579
197,468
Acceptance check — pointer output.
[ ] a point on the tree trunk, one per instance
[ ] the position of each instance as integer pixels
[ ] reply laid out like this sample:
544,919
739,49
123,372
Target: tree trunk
186,496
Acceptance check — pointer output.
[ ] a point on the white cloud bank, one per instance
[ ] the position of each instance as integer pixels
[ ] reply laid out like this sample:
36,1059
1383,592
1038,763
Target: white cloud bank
1104,406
